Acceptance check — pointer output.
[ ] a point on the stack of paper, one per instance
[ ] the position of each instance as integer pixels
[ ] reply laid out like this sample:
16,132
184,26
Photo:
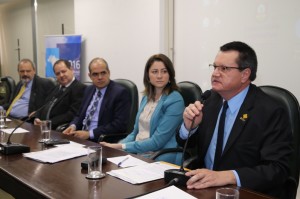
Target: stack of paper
126,161
57,154
171,192
142,173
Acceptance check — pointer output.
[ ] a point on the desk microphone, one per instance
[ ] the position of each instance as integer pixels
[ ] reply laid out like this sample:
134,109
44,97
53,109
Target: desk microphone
179,174
9,148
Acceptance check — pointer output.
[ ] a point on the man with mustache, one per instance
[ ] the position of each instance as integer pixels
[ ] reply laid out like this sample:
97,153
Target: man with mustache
31,91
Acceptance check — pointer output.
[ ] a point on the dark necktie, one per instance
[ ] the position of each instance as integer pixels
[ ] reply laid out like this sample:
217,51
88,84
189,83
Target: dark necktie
87,120
219,147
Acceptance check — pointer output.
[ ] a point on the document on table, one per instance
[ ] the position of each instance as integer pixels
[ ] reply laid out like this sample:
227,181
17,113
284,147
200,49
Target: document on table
171,192
57,154
126,161
18,130
142,173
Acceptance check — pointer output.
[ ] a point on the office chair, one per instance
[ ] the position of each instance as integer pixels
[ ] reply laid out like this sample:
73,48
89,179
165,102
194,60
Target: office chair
290,103
190,92
134,97
7,90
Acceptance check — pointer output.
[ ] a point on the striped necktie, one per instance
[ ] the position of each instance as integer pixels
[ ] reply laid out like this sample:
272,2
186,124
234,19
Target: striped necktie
88,118
219,147
22,90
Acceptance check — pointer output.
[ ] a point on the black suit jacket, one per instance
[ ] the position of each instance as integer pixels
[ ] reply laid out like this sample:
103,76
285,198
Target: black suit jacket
40,90
65,106
259,145
114,111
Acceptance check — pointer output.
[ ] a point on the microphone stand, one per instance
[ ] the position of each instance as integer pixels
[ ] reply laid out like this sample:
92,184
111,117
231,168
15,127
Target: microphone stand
172,174
179,174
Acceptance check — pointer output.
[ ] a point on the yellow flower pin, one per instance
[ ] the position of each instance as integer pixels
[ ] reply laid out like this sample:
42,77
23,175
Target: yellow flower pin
244,117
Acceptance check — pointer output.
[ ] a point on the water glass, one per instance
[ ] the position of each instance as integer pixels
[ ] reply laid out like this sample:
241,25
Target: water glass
45,130
227,193
94,155
2,118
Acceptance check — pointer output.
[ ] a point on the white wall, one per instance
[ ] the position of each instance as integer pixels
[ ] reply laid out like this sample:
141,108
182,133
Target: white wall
125,33
272,28
17,25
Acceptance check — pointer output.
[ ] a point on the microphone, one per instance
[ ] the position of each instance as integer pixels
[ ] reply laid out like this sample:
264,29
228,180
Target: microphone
9,148
179,174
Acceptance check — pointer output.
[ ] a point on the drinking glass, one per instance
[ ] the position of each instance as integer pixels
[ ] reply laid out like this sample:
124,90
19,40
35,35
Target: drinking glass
227,193
94,155
2,118
45,130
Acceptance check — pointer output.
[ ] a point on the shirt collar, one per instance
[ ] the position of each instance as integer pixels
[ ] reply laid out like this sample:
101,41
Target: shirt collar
235,103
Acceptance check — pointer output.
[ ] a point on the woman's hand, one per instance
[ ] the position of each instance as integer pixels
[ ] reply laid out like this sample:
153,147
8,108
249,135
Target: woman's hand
115,146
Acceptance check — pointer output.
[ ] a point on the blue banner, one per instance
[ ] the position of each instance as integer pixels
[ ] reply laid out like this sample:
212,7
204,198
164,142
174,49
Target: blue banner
63,47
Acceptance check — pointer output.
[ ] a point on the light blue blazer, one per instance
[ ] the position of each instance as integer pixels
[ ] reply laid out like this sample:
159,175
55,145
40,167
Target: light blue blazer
165,119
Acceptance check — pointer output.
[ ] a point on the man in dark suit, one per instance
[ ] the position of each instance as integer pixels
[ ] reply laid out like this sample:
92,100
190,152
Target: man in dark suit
249,143
31,91
105,108
65,100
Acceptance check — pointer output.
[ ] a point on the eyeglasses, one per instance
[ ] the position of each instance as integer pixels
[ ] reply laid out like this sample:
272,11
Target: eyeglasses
224,69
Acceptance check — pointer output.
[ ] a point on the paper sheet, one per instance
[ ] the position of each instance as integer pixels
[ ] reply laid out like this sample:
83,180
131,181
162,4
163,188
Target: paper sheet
142,173
18,130
57,154
171,192
127,161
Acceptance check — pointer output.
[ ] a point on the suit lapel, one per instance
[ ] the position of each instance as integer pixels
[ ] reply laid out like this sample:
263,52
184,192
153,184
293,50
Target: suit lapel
242,118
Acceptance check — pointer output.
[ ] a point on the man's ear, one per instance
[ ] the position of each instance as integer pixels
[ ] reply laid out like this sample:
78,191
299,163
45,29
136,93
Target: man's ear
246,75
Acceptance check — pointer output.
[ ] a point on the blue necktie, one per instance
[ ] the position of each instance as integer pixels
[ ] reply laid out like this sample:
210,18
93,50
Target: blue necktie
88,118
219,147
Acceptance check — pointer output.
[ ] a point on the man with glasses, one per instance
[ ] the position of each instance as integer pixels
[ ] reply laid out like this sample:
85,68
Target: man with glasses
105,107
243,136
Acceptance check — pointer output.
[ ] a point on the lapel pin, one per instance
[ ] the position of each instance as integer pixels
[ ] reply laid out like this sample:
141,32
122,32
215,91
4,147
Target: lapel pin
244,117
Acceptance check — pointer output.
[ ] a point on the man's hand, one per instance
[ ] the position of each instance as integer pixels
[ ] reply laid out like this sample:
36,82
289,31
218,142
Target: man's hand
82,134
115,146
37,121
204,178
69,131
193,112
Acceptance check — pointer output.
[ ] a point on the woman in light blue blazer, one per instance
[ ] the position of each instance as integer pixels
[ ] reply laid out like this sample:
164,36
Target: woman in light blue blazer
160,112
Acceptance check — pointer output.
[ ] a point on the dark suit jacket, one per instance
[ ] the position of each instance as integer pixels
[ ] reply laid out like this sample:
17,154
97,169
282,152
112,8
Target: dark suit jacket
114,111
41,88
65,106
258,147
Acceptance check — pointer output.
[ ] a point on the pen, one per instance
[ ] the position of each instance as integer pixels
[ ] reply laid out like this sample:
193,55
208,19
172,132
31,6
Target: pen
126,158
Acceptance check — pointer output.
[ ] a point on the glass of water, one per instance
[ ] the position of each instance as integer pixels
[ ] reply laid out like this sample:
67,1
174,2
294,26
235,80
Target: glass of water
2,118
45,130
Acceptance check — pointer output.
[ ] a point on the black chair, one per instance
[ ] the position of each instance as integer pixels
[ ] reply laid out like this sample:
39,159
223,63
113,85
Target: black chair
190,92
134,97
7,90
290,103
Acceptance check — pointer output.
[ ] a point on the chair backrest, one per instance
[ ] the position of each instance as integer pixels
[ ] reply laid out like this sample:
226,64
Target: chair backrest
190,92
290,102
7,90
134,97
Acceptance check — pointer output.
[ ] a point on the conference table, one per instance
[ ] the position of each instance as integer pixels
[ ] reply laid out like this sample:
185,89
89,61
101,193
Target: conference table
26,178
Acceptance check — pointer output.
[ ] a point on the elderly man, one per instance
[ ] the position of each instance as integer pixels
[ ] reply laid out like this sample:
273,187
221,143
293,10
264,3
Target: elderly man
243,136
65,100
31,91
105,108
